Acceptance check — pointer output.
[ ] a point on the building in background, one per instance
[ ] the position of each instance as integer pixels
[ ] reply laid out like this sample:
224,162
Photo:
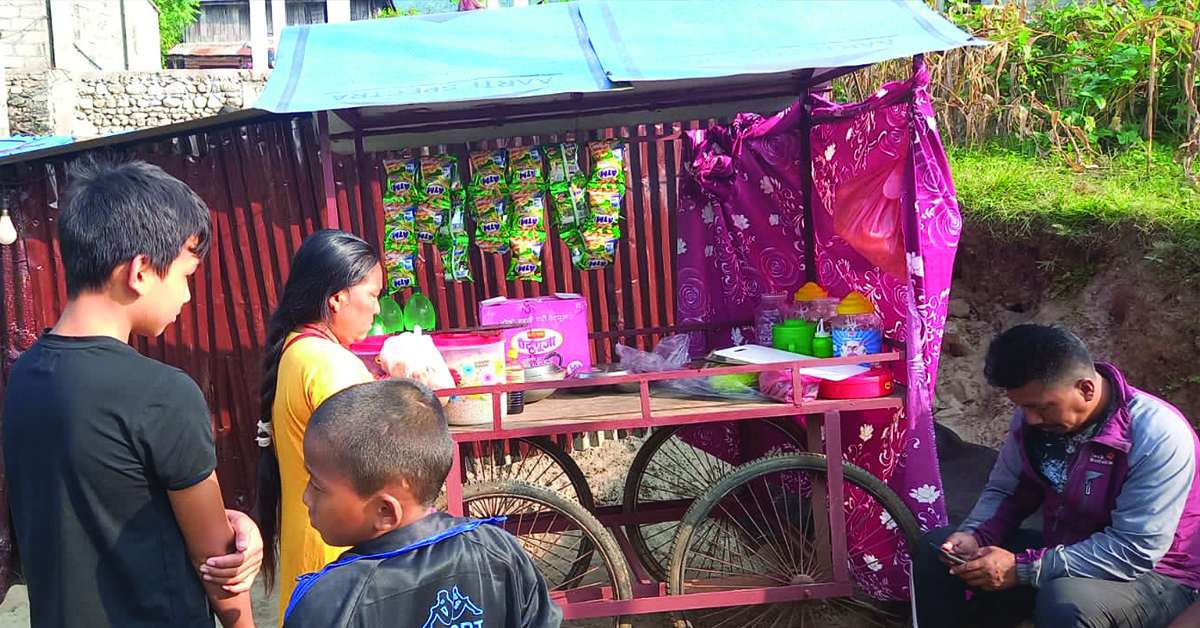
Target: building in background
79,35
222,35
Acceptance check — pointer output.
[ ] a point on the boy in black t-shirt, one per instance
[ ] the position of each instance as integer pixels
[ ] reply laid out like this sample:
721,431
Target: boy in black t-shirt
378,455
109,454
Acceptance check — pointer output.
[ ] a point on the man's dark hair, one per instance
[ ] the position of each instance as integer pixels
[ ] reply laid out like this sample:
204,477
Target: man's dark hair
1035,353
114,212
384,431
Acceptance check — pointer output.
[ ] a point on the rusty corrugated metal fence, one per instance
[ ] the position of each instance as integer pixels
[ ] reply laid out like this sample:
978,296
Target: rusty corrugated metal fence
262,182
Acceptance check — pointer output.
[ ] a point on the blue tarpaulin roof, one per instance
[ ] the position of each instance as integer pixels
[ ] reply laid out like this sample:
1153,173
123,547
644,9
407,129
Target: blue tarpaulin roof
587,47
24,143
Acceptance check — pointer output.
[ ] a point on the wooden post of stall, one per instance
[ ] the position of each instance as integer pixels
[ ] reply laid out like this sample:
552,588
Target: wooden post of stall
331,209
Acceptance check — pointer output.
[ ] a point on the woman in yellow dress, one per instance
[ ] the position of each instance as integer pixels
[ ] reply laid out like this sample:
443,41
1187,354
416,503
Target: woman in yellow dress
328,303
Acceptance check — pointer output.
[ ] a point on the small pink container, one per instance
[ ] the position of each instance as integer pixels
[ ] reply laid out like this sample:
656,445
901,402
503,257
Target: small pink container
368,350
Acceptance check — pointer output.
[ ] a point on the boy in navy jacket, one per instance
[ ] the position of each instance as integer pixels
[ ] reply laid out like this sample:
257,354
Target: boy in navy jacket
378,455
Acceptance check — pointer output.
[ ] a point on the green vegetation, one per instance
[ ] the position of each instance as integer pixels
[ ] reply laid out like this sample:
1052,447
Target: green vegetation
1014,194
174,18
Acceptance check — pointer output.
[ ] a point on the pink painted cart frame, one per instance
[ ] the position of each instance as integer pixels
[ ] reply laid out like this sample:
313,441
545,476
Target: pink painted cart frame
627,412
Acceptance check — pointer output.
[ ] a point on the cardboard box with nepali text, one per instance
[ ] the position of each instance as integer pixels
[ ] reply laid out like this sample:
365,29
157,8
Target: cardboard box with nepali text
553,329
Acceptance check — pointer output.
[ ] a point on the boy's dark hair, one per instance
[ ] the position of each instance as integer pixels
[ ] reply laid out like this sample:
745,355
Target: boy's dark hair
384,431
113,212
1035,353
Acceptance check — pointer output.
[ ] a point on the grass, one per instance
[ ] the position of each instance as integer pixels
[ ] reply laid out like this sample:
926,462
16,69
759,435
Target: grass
1016,194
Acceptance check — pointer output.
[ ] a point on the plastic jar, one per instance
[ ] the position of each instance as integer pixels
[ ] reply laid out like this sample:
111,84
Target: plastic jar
772,309
368,350
474,360
813,304
857,329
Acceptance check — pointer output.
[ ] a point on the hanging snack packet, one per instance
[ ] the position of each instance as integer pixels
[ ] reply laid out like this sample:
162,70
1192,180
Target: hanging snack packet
608,163
439,176
456,265
605,205
529,211
400,266
401,235
429,220
570,207
562,161
403,177
395,212
491,219
592,250
452,244
526,258
489,172
526,168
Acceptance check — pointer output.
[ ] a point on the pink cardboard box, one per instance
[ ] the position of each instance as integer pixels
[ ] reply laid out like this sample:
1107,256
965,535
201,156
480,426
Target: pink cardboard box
554,329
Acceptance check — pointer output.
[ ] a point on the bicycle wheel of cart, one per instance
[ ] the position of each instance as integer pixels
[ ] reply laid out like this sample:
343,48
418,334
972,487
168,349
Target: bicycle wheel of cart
668,469
571,548
764,525
536,460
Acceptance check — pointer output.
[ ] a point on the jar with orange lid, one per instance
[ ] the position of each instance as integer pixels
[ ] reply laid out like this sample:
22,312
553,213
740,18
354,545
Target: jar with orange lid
857,329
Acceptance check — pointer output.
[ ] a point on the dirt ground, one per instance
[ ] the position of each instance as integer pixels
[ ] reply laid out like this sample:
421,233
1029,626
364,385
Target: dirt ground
1130,308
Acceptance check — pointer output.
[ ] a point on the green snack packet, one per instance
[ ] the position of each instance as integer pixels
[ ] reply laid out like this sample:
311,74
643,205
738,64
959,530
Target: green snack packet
526,167
395,212
489,173
456,265
439,176
562,161
605,205
452,242
429,219
400,236
491,217
401,269
570,206
526,262
403,178
591,250
529,211
608,163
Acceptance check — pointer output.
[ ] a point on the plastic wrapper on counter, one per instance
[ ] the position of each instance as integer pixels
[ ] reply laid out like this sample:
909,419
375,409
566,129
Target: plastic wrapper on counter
778,386
671,354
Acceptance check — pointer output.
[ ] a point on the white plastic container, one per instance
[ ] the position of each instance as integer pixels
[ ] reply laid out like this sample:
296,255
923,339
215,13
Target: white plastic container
474,360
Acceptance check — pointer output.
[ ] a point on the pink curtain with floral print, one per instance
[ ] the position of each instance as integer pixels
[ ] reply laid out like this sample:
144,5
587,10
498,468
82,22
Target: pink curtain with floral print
885,222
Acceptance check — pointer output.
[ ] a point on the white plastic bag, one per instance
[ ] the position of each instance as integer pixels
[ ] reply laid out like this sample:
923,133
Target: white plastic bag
412,355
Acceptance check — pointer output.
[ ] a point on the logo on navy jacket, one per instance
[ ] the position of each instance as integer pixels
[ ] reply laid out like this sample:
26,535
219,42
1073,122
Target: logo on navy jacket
449,610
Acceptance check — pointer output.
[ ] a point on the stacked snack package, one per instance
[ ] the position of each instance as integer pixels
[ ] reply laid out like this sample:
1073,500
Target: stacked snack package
439,185
400,205
527,216
489,199
595,246
452,243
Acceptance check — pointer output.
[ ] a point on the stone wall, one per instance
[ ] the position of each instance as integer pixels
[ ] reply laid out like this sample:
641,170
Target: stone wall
115,102
90,104
29,103
24,35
